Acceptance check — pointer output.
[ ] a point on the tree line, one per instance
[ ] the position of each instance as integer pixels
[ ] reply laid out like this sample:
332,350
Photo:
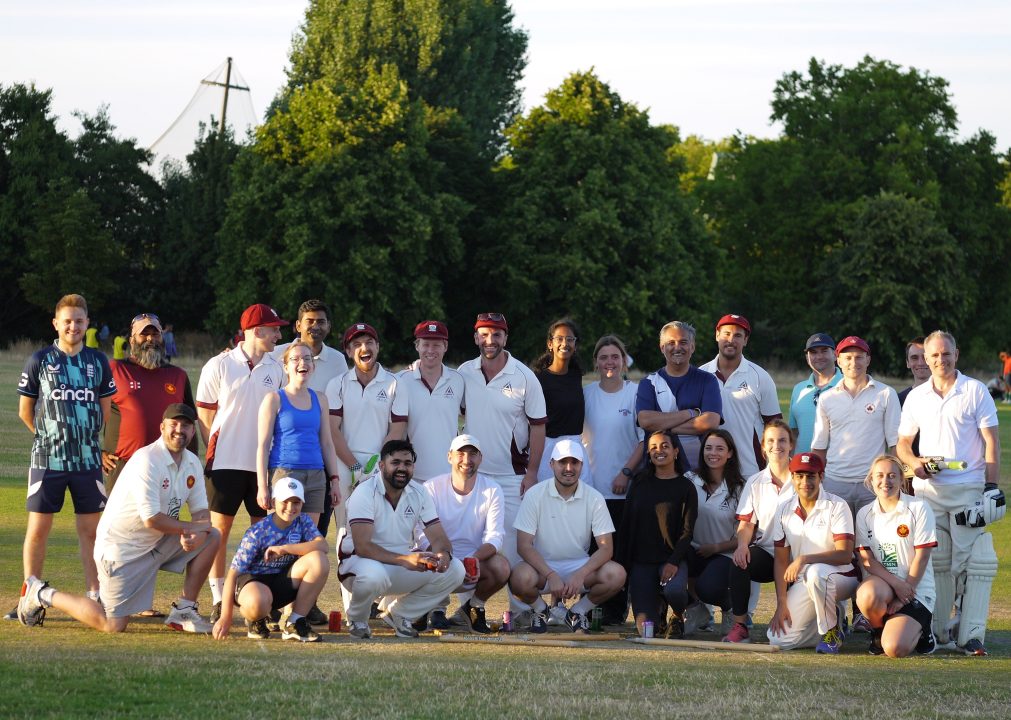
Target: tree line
396,178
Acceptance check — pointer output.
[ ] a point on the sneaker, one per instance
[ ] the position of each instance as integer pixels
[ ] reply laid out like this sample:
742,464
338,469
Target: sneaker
875,647
830,642
421,624
675,629
696,616
738,634
538,622
401,626
215,612
726,623
359,630
861,624
973,647
523,618
274,621
13,614
257,630
578,623
31,611
438,620
299,630
928,644
188,620
473,618
316,616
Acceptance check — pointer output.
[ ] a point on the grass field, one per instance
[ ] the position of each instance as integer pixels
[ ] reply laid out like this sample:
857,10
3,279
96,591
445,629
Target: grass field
66,670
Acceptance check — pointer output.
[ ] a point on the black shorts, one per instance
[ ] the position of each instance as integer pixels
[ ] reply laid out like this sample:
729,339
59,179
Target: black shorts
916,610
47,490
280,585
232,488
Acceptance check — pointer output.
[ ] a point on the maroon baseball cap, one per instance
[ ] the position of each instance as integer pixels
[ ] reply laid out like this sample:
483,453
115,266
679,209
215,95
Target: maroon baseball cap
261,315
492,320
431,329
852,341
359,329
807,463
738,320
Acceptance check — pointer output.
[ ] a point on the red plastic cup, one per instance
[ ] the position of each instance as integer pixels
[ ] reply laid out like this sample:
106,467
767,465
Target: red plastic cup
335,621
470,565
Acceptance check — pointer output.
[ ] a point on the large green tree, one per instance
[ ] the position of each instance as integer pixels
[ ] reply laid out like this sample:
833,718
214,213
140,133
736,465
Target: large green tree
593,224
781,208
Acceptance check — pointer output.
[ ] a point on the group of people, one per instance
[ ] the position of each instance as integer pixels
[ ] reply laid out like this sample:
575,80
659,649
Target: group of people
674,496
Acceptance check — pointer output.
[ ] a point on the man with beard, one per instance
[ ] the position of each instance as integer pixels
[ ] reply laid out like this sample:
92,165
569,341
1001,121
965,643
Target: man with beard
145,385
748,392
375,548
679,397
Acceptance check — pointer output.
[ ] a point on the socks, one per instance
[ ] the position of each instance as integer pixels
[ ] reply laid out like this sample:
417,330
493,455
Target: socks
583,606
539,605
46,596
476,602
293,617
217,585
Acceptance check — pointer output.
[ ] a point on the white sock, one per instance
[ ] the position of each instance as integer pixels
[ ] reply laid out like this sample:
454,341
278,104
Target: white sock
293,617
583,606
217,585
92,595
539,605
476,602
46,596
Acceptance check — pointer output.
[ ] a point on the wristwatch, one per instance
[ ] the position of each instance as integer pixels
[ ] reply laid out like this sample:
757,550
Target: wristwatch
626,472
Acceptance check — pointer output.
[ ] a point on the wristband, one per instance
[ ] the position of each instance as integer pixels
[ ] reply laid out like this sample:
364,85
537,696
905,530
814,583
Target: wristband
356,467
626,472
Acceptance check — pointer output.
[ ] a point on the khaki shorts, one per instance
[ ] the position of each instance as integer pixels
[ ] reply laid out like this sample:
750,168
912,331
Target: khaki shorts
127,587
314,482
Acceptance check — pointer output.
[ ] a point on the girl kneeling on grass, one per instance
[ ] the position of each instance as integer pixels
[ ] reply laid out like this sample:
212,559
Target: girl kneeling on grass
281,560
895,535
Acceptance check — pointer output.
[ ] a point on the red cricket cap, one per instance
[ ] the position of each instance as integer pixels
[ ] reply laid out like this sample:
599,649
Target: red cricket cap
738,320
807,462
261,315
432,329
492,320
852,342
359,329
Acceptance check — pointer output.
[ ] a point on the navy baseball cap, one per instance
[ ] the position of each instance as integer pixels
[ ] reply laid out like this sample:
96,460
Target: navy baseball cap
819,340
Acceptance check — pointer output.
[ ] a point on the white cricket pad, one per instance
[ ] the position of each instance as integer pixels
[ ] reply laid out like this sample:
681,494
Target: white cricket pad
944,586
980,573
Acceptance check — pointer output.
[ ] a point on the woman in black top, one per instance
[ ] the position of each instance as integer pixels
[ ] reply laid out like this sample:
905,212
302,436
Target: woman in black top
656,536
561,378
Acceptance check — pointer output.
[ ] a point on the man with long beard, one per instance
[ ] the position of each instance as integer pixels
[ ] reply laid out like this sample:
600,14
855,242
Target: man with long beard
146,384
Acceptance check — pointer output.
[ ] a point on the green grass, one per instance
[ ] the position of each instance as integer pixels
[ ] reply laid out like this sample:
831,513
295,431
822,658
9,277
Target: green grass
66,670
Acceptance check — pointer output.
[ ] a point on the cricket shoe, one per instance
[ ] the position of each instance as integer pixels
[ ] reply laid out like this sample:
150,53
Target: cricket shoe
974,647
928,644
830,642
299,630
538,622
861,624
13,614
215,612
187,620
257,629
359,630
696,617
437,619
316,616
473,618
401,626
31,611
578,622
739,633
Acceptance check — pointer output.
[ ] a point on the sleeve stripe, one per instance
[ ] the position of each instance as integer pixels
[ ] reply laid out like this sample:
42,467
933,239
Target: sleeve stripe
364,521
430,523
537,421
207,406
862,547
842,536
745,518
925,545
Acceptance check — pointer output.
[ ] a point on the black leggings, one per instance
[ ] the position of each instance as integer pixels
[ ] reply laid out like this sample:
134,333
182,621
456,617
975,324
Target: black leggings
649,599
711,579
760,569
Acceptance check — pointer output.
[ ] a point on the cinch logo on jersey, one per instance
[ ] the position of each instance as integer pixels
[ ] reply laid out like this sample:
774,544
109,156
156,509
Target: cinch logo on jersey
72,394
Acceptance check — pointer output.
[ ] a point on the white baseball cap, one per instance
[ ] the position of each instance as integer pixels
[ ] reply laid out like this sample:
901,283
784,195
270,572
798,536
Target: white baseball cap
567,449
287,488
462,441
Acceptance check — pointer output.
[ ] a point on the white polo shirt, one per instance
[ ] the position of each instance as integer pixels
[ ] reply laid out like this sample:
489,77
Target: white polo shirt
894,537
330,363
366,411
562,527
759,501
393,527
748,394
499,413
950,427
610,433
717,520
855,430
151,482
235,389
433,418
469,520
830,520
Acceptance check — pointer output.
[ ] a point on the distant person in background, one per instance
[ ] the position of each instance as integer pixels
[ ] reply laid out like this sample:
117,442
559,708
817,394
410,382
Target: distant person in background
561,378
749,392
613,441
917,364
65,392
91,338
119,344
1006,374
825,374
170,342
103,334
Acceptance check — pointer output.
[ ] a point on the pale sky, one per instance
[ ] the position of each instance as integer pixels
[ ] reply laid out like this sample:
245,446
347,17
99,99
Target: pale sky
707,66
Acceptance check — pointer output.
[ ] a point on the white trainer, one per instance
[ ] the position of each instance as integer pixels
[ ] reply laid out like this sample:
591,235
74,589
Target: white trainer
187,620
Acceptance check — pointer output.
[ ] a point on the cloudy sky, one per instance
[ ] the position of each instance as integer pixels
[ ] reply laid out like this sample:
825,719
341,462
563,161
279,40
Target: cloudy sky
707,66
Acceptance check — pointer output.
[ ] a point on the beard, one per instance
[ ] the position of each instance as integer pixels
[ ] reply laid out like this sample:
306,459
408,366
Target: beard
149,354
397,479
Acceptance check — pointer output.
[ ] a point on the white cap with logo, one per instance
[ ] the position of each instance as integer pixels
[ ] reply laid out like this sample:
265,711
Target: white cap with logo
287,488
567,449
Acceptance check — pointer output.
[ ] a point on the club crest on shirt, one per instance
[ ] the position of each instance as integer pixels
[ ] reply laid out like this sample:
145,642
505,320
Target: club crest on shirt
743,385
726,502
869,409
624,412
293,537
170,388
449,393
190,481
902,531
409,511
165,484
381,395
268,381
89,370
889,555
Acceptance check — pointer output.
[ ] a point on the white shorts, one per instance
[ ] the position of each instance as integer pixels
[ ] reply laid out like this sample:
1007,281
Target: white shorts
565,569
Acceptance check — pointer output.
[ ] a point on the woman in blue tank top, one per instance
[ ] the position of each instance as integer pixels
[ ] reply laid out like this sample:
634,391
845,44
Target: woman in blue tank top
294,436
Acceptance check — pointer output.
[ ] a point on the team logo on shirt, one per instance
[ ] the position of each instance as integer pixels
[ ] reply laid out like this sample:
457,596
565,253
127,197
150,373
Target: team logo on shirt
449,393
889,555
134,384
165,484
409,511
382,395
268,381
293,537
726,502
90,370
190,482
624,412
869,409
743,386
902,531
170,388
53,368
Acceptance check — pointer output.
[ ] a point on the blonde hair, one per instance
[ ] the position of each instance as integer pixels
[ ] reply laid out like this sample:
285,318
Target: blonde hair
297,342
884,457
72,300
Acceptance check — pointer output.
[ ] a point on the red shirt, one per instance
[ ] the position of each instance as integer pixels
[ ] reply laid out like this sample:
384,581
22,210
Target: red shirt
141,397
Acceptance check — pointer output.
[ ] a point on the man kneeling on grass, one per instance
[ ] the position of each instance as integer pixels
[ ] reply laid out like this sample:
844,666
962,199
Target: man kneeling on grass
139,534
553,529
281,560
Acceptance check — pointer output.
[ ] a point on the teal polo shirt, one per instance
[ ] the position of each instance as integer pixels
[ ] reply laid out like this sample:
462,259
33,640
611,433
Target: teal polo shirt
804,408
